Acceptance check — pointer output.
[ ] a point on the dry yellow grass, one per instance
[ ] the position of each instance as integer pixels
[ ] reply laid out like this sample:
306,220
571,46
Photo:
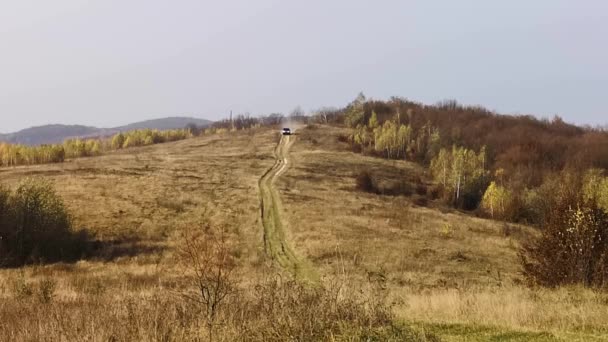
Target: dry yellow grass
137,203
434,265
438,265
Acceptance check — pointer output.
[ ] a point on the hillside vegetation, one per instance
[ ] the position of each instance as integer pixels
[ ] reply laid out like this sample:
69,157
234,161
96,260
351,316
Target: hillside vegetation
14,155
386,228
470,148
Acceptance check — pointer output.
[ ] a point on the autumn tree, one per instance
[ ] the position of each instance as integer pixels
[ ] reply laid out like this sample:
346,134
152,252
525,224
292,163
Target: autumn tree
373,121
496,201
355,114
462,174
595,188
118,141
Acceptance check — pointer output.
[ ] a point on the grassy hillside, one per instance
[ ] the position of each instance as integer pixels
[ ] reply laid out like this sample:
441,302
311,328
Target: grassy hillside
456,275
392,266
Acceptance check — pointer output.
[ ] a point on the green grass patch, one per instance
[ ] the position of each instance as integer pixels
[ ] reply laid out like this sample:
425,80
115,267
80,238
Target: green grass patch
471,333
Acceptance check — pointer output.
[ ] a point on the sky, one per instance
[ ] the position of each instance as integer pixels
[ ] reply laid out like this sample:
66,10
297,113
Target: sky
111,62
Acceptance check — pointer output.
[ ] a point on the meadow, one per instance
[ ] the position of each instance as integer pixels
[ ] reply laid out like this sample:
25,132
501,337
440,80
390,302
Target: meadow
396,265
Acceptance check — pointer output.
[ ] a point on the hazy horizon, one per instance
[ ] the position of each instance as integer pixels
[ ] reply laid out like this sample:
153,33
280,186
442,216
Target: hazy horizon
110,63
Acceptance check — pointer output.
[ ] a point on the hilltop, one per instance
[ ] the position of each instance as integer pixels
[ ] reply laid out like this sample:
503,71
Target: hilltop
57,133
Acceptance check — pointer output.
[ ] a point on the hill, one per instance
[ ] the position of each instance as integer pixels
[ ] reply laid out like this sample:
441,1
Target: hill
442,270
165,123
57,133
48,134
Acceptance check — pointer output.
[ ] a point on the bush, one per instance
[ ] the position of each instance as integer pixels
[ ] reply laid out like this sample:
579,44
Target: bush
46,290
396,188
343,138
573,248
35,226
365,182
21,288
291,311
421,201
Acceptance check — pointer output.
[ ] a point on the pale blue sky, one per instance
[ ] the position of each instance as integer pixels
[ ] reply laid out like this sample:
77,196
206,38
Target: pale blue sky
110,62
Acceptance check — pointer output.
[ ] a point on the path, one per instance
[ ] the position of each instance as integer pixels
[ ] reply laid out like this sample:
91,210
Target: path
275,243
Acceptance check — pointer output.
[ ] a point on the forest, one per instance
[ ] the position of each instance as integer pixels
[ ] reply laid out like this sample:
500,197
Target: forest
469,149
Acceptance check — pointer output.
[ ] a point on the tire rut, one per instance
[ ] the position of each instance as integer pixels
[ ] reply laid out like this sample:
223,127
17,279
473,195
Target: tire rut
275,243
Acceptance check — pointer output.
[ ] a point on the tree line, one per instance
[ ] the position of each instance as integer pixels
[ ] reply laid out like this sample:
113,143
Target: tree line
17,154
521,154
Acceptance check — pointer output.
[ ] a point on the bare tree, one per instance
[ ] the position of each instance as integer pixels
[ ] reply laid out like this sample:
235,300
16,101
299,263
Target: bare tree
207,256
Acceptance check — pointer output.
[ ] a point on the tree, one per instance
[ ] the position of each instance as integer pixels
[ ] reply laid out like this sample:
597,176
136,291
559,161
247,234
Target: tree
373,121
440,167
148,140
434,145
595,188
462,174
297,113
211,268
496,201
355,113
404,136
118,141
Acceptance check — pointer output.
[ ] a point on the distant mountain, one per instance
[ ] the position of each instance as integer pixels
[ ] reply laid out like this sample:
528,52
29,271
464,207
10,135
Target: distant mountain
50,134
166,123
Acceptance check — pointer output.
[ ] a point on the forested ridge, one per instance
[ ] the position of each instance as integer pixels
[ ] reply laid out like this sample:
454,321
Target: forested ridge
469,149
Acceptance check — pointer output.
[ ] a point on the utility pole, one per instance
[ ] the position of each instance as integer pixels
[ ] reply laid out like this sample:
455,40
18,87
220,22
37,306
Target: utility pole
231,122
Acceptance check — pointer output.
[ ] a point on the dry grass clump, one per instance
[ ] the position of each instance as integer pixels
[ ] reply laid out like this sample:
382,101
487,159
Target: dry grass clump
267,310
290,311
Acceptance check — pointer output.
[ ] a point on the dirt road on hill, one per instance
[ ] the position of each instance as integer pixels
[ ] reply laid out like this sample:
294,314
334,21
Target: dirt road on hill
275,243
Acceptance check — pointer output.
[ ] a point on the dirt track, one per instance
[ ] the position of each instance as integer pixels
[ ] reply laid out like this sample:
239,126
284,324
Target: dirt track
275,243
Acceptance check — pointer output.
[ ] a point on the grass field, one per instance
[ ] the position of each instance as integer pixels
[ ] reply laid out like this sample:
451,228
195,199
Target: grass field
442,273
452,273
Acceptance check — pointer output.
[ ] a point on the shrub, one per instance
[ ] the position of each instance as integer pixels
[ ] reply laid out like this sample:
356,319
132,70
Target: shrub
365,182
396,188
22,288
35,226
46,290
573,248
291,311
211,268
343,138
421,189
421,201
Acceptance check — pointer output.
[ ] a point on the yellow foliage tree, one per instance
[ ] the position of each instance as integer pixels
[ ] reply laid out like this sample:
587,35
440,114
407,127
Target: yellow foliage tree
497,201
